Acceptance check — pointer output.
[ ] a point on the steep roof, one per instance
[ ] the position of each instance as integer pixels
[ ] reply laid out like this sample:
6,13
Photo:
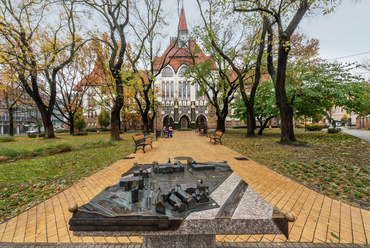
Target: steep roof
182,23
176,56
97,77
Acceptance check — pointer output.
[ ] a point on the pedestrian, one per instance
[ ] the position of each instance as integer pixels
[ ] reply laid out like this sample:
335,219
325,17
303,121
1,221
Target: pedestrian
169,131
164,131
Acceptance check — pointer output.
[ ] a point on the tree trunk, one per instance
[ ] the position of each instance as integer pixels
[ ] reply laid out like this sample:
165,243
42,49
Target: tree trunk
221,123
46,120
286,110
71,126
115,120
250,122
263,125
145,121
49,129
11,122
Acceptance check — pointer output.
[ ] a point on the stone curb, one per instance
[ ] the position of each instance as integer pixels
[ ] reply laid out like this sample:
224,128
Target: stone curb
219,245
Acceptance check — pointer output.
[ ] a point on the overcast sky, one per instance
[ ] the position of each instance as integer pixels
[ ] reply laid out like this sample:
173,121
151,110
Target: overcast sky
343,33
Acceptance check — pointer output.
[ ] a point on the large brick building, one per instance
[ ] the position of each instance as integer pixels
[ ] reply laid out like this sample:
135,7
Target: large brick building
179,102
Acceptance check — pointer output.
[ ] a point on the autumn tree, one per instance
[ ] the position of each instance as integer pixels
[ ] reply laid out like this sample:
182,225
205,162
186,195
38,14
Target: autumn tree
79,120
246,63
145,63
31,46
72,85
104,118
116,15
218,85
286,15
264,106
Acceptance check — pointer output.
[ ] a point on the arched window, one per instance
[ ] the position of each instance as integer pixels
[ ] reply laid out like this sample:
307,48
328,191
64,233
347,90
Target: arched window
182,71
167,72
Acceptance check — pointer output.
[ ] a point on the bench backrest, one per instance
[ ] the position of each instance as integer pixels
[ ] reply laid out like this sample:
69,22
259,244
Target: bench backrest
219,133
139,138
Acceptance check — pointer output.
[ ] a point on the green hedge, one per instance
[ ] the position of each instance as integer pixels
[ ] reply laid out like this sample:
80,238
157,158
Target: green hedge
41,135
7,139
314,128
62,131
80,133
32,135
334,130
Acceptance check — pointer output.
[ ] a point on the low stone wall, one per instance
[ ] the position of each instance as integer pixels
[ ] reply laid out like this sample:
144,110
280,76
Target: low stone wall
363,122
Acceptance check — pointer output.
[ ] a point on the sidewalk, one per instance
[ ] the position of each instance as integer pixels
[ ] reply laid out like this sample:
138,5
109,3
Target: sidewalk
361,134
317,217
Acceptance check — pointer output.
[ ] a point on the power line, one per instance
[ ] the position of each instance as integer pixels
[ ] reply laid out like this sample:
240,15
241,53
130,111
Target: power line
353,55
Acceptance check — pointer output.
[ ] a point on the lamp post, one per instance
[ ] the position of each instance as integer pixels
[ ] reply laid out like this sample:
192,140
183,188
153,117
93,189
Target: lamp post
156,114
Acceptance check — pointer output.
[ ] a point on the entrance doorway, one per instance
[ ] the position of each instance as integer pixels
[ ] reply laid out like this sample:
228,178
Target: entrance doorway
167,120
184,122
201,122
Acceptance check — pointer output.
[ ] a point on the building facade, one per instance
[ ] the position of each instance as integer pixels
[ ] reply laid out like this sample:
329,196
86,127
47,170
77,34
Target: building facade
179,102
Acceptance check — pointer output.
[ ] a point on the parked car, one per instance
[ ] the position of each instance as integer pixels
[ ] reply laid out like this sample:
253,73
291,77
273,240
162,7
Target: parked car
31,131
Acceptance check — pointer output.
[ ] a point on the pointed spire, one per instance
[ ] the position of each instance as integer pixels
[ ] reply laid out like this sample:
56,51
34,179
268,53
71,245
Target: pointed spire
182,24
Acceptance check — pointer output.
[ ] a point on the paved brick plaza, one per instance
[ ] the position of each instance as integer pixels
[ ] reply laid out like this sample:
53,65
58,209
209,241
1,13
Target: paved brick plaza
317,216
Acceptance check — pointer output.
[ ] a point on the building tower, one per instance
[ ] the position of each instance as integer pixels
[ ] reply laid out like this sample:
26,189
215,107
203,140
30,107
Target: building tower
181,107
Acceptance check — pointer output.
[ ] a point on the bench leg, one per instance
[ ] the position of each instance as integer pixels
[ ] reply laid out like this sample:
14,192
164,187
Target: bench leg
143,149
135,149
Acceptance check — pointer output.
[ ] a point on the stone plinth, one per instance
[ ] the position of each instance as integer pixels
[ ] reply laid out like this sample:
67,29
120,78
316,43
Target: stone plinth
251,215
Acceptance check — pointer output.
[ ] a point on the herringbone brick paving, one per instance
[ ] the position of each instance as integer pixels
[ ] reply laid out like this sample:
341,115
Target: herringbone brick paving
317,217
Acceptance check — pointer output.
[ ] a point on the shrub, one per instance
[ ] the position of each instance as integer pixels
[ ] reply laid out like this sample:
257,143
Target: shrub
105,129
80,133
11,153
322,125
41,135
62,131
7,139
31,135
121,131
98,144
299,125
314,128
334,130
52,149
91,130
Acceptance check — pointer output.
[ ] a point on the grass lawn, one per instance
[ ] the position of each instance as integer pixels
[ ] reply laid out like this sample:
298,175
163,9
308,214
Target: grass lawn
336,165
27,182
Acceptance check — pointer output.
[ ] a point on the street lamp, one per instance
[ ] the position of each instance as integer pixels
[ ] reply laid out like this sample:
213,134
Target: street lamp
156,114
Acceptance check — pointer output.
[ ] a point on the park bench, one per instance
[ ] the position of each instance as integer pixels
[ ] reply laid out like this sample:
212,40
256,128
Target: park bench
216,137
141,140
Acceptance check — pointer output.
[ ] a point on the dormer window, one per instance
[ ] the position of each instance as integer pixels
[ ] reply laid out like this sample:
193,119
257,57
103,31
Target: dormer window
167,72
